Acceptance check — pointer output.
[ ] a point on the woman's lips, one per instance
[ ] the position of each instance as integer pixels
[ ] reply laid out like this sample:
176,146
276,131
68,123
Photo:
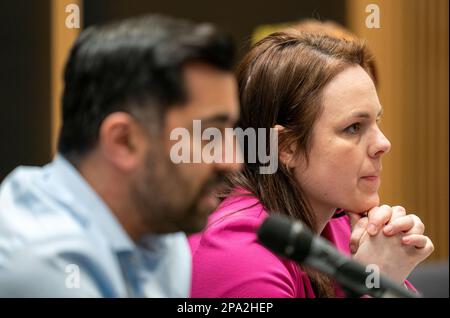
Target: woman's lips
370,178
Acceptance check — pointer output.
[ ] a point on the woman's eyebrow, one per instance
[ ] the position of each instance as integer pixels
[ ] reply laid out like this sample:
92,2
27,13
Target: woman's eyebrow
366,115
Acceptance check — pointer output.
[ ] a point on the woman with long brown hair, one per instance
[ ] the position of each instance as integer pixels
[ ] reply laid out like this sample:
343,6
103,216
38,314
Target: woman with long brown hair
318,93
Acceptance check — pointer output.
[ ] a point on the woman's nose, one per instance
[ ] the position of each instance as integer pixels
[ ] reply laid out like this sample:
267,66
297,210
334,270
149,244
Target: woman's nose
380,146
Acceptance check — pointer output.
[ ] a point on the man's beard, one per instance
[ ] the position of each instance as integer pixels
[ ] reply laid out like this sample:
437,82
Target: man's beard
165,200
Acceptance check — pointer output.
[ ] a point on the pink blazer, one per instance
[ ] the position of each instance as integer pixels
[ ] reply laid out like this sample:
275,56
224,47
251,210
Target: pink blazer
228,261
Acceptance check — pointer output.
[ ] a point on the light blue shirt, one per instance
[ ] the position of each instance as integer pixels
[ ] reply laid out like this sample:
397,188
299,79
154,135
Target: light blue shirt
59,239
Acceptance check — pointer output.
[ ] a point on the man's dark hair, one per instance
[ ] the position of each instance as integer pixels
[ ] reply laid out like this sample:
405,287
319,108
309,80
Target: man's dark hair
138,62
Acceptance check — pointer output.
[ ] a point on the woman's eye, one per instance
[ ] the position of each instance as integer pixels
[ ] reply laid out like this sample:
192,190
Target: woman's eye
353,129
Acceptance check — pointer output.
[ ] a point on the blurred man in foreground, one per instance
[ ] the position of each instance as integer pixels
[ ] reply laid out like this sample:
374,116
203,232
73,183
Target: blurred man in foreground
106,217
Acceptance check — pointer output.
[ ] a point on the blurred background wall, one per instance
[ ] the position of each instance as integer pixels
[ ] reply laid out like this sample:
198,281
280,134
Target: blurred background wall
411,50
25,87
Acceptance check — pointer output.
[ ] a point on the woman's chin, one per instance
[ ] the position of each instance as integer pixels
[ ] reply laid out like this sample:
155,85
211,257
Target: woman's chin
362,206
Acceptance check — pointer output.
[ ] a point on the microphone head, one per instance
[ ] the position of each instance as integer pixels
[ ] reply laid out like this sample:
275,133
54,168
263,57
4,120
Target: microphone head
285,237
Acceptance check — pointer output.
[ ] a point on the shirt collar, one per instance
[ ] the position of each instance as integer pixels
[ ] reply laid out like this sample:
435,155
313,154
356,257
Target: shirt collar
83,200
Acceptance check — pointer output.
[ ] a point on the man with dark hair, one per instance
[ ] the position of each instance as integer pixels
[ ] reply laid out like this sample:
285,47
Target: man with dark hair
108,217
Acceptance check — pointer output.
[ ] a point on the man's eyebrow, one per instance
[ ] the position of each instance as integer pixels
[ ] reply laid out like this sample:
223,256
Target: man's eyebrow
219,118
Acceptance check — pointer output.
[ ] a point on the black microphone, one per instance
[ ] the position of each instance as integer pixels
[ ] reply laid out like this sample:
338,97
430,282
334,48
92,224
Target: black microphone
293,240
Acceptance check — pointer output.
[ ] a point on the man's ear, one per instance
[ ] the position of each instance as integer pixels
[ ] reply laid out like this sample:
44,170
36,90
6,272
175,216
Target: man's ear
121,141
288,152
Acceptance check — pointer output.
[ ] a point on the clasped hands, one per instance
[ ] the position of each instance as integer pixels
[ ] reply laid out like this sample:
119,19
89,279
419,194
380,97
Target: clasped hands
391,239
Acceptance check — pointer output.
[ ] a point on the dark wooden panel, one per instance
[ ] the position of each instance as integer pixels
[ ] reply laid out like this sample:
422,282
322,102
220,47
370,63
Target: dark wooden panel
24,83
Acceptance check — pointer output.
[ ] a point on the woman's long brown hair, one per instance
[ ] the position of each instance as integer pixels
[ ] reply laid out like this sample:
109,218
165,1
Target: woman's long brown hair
280,82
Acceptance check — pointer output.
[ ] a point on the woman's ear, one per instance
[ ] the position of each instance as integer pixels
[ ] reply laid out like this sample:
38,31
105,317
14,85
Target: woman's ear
287,151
